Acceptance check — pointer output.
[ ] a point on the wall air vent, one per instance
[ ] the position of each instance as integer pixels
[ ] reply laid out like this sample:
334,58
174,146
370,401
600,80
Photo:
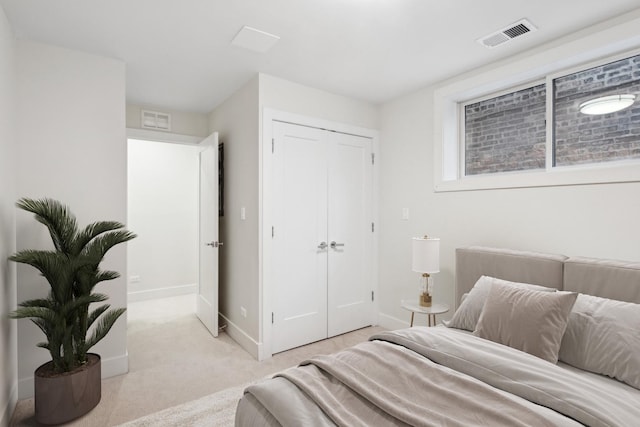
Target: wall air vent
156,120
506,34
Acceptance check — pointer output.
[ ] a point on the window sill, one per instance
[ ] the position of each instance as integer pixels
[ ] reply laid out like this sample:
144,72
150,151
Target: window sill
575,175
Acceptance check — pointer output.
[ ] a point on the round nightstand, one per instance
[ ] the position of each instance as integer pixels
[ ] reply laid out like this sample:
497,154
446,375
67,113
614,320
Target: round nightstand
414,307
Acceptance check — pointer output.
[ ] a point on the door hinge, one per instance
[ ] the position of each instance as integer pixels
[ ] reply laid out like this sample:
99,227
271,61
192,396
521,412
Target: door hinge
273,231
373,158
273,143
272,317
373,227
372,296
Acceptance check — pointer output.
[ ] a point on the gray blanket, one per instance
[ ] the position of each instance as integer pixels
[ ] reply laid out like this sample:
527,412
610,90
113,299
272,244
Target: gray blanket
439,377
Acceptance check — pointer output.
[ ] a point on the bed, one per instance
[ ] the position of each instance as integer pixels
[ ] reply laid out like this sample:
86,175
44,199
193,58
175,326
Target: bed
536,339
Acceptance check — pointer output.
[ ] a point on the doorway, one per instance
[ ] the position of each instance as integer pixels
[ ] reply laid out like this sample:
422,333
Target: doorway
173,207
162,209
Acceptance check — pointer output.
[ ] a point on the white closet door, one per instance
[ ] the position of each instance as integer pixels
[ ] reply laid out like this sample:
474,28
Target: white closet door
300,226
350,181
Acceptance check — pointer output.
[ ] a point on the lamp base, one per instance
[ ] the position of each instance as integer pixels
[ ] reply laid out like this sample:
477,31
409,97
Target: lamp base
425,299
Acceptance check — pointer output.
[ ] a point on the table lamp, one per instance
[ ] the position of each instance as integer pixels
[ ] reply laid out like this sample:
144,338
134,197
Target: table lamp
426,260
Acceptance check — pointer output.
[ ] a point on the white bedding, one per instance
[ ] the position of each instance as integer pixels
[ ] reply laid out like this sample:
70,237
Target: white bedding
380,383
592,399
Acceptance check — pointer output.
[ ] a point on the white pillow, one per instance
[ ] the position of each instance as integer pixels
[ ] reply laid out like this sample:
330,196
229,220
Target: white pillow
603,336
467,315
527,320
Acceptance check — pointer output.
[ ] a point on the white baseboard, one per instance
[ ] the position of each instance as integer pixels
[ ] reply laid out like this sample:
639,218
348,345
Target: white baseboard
25,388
242,338
115,366
390,322
171,291
7,410
110,367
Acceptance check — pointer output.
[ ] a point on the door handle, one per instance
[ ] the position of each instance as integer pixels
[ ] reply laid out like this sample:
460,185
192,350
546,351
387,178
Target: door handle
214,244
335,245
323,245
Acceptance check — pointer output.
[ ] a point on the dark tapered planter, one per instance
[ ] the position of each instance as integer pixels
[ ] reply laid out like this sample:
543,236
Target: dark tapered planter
63,397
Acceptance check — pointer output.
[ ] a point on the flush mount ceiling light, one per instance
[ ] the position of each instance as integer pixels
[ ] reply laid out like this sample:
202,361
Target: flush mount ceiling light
254,40
607,104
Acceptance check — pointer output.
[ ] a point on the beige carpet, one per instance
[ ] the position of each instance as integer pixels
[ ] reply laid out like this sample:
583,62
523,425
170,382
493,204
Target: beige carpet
174,360
216,410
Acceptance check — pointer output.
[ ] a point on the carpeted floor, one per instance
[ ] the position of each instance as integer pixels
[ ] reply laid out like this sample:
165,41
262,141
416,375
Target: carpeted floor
173,360
215,410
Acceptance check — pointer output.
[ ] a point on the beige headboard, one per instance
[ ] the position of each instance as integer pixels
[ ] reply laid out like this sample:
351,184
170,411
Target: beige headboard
516,266
604,278
608,279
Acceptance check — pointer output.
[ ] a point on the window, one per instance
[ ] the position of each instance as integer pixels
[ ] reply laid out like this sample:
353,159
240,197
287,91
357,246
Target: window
509,132
556,65
582,139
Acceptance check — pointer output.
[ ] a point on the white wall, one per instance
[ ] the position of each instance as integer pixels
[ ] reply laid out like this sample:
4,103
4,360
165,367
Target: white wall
162,209
72,147
8,156
283,95
589,220
236,121
182,122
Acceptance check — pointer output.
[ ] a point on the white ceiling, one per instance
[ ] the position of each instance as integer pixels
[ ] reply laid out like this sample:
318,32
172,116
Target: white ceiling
178,54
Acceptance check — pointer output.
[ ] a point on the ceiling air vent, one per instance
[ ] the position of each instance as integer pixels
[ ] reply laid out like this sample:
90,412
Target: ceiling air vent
156,120
509,33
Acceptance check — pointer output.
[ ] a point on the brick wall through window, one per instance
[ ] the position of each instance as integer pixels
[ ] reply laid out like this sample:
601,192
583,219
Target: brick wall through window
506,133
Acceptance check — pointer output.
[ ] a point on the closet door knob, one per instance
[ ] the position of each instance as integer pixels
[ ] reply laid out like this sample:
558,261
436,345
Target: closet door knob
334,245
322,245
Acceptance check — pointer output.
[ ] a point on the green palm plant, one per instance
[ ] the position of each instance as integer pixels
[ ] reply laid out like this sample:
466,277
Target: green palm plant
72,270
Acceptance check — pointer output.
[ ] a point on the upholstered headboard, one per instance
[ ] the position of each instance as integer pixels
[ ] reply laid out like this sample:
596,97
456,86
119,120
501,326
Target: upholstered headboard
516,266
608,279
604,278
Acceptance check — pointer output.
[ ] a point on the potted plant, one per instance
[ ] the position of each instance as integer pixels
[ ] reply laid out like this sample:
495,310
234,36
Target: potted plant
69,385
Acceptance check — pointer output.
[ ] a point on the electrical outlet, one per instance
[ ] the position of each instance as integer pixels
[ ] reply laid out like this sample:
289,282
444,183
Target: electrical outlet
243,311
134,279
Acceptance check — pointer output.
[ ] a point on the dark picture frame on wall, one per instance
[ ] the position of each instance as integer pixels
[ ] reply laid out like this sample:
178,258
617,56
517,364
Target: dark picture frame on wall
221,179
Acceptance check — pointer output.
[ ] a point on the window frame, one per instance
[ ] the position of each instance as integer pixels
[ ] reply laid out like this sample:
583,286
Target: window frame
550,105
540,65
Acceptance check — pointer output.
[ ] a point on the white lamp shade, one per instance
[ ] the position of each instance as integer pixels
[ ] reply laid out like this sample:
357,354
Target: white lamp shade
426,255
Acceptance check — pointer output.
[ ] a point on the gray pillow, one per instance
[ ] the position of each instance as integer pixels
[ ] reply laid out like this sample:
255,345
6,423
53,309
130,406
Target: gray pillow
527,320
467,315
603,336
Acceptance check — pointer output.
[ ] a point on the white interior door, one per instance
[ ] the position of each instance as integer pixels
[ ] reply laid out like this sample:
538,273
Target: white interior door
322,238
208,245
350,216
300,229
